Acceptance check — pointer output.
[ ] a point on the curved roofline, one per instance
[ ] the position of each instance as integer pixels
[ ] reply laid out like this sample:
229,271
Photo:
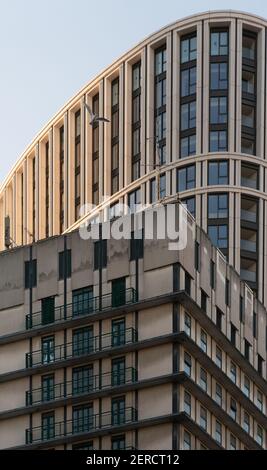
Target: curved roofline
195,17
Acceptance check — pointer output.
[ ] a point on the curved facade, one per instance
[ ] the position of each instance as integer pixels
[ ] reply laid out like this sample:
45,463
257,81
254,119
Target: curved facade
188,116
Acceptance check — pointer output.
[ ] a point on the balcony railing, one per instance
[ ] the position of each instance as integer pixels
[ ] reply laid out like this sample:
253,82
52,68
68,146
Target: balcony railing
75,388
83,307
81,348
81,426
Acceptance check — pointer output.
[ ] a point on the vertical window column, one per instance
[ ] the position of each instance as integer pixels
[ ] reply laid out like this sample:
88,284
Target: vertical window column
188,74
218,107
160,105
33,198
136,120
77,154
47,189
115,137
95,165
61,179
249,93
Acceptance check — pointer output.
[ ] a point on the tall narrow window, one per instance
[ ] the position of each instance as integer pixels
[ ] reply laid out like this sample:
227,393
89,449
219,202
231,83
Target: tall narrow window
47,189
95,143
22,208
77,164
136,120
218,141
249,92
218,221
160,105
61,178
188,54
115,136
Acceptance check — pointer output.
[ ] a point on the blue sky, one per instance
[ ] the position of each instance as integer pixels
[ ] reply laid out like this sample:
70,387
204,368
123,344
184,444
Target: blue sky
50,49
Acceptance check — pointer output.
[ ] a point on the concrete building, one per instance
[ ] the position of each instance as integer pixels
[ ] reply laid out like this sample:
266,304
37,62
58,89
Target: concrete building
187,104
116,344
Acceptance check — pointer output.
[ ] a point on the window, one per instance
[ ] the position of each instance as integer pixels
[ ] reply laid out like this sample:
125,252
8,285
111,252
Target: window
30,274
218,173
48,310
246,422
249,93
134,200
61,178
203,379
152,190
248,81
48,350
212,274
137,245
187,283
219,76
188,81
64,263
136,120
260,364
233,372
190,205
259,400
100,254
246,386
187,440
218,141
187,324
219,316
118,292
83,446
233,334
203,418
82,419
118,443
218,235
118,371
162,186
197,262
217,206
47,184
218,432
186,178
118,332
82,301
204,299
218,394
203,341
83,341
227,292
233,409
219,43
241,309
115,136
82,380
255,325
188,146
188,49
48,426
218,359
118,411
48,387
187,403
187,364
218,110
95,147
188,115
259,435
248,116
232,442
247,350
160,104
249,45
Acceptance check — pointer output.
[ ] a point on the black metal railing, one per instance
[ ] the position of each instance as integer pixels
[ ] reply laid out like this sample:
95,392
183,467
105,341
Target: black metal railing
83,307
81,348
80,426
74,388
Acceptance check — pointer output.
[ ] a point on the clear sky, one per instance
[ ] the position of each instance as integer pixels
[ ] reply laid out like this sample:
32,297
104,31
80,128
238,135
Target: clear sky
49,49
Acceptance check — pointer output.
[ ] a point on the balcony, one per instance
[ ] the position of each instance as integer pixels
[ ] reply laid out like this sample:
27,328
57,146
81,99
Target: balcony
71,350
79,388
248,215
248,245
81,426
248,276
89,307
